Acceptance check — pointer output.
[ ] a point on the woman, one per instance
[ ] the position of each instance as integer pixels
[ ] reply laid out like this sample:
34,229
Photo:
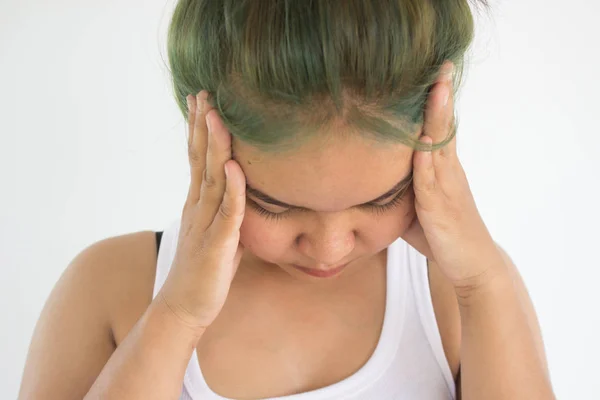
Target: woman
326,249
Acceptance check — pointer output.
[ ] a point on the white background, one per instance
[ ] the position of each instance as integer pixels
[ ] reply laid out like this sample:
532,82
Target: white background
92,145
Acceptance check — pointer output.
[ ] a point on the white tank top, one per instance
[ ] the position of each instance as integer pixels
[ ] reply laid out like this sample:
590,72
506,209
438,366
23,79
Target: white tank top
408,361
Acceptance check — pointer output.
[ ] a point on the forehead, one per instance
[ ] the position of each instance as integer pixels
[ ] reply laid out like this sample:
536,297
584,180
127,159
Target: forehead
326,175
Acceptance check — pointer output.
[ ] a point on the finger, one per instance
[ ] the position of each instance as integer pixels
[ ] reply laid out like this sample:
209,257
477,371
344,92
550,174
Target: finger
217,154
196,145
191,103
439,117
425,185
231,211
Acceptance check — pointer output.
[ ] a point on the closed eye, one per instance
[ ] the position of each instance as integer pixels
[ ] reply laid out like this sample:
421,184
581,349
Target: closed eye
374,208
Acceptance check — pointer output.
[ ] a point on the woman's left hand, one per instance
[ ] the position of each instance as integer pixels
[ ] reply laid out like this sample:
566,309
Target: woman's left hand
447,227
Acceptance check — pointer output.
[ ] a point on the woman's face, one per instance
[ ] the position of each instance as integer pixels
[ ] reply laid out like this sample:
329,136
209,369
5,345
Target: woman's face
326,185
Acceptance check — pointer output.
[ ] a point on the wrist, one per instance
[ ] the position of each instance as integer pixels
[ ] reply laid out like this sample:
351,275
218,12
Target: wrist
165,315
495,279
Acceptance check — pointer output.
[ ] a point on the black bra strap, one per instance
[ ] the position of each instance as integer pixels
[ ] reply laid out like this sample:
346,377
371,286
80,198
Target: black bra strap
158,238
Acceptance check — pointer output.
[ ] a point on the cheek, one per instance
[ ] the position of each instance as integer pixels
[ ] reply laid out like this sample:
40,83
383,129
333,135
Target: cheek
271,241
406,212
265,239
387,228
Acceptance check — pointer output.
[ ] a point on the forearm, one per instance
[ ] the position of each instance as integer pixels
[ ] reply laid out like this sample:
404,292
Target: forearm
150,363
499,358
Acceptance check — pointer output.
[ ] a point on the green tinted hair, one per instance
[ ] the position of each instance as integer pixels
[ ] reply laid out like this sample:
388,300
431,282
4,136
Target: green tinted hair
280,72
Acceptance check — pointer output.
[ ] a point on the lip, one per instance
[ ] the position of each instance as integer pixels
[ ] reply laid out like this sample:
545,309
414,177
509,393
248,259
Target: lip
320,273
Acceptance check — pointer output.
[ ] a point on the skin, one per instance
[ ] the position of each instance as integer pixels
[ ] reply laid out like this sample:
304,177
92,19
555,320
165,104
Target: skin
102,328
331,178
447,229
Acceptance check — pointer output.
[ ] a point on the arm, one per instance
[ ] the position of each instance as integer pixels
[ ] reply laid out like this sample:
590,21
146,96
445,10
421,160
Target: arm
73,348
151,361
72,339
502,352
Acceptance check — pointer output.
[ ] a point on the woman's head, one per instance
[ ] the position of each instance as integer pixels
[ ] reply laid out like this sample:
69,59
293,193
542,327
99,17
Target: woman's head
324,100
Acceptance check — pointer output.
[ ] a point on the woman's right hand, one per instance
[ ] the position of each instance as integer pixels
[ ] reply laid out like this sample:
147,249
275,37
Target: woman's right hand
209,251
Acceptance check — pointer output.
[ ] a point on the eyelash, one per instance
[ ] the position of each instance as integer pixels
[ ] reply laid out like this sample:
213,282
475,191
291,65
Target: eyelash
378,210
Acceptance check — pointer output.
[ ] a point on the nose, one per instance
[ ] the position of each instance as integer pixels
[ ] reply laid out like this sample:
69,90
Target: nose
329,243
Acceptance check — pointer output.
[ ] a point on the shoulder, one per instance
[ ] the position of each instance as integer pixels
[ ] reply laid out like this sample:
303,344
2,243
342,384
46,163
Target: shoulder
98,298
122,270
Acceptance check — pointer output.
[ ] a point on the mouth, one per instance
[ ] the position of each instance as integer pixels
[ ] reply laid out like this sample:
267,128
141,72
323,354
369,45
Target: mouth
319,273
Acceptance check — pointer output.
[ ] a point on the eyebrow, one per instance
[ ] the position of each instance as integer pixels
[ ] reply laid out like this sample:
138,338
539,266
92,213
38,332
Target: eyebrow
268,199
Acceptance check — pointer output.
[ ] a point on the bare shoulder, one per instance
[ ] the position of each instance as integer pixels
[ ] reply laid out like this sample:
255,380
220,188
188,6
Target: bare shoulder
130,262
100,295
121,270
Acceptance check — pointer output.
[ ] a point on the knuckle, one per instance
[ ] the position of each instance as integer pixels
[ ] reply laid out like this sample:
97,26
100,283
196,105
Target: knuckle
230,210
425,188
226,211
442,151
188,208
208,181
194,156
